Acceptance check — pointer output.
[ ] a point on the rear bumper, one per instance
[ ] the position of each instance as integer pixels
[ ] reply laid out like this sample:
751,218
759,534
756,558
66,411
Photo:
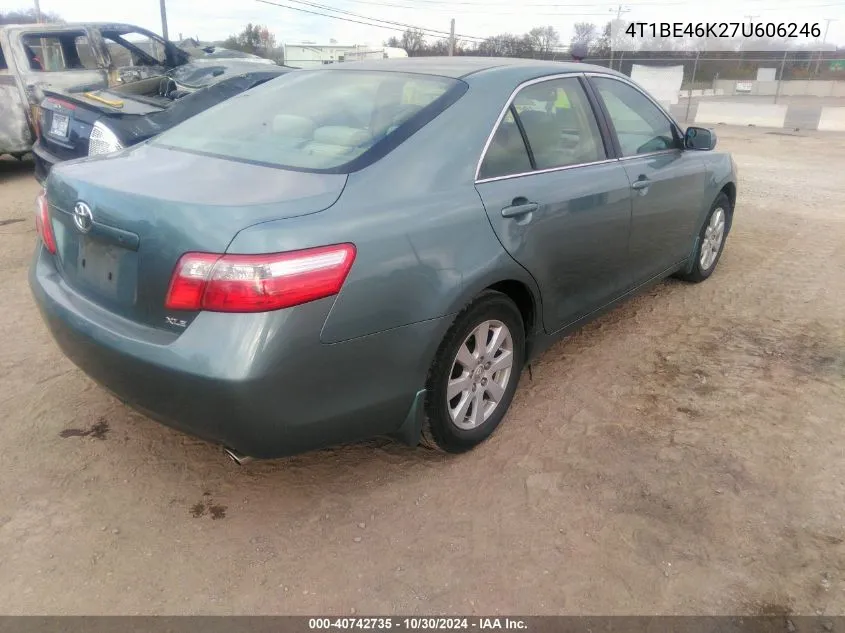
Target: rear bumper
261,384
44,161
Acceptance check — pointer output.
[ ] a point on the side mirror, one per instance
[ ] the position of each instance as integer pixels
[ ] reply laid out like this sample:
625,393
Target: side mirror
700,138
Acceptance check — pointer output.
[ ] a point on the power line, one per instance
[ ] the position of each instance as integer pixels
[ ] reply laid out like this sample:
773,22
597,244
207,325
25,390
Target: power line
397,26
365,17
484,6
483,10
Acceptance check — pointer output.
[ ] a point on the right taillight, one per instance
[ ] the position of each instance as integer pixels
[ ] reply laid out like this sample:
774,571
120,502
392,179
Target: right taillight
42,222
102,140
258,283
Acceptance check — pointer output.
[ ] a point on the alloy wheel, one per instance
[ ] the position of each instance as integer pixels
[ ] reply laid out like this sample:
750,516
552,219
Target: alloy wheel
480,374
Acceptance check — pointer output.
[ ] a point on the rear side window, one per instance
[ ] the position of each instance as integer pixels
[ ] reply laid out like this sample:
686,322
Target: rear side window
51,52
559,127
559,124
316,120
2,59
507,154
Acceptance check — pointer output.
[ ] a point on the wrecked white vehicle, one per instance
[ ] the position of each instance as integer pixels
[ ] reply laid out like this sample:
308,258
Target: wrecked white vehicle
71,58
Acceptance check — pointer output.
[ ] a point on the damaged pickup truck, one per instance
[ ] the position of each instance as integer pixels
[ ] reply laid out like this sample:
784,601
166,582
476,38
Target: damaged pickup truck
104,121
72,58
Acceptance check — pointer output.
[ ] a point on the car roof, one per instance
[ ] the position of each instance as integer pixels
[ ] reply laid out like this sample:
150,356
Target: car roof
459,67
73,26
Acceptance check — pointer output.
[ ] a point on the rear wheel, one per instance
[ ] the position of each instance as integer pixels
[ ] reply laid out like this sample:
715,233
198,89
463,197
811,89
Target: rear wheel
711,240
475,374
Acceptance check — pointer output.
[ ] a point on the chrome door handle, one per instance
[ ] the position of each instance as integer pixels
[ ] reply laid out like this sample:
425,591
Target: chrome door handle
641,184
519,209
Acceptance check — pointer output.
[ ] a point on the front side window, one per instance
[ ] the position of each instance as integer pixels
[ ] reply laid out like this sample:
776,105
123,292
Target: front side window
559,124
640,125
313,120
133,49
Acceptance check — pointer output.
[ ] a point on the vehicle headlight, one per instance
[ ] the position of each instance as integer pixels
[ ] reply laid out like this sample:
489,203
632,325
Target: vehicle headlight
103,140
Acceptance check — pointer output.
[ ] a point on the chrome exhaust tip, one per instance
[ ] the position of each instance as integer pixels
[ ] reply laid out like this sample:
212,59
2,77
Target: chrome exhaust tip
236,457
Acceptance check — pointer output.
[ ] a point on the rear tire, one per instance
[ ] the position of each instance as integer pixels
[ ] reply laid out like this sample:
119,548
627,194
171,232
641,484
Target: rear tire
711,241
474,375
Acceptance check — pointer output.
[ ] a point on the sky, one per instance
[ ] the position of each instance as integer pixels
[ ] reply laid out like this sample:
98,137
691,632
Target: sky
216,19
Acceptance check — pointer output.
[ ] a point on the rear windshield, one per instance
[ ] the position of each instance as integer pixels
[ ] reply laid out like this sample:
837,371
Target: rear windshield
316,120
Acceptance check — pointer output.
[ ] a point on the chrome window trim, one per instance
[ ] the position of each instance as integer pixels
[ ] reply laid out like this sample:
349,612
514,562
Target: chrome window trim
627,81
548,170
646,155
508,104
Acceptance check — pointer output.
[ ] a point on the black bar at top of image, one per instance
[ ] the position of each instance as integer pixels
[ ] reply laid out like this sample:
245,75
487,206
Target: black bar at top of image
533,624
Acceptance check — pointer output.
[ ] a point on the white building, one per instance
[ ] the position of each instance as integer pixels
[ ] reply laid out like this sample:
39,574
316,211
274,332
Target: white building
309,55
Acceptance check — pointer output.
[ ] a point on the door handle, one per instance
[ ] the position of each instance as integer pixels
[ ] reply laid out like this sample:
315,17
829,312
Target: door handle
642,183
519,209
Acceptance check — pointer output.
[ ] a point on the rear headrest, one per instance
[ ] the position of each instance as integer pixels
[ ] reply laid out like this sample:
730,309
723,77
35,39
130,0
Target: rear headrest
296,126
340,135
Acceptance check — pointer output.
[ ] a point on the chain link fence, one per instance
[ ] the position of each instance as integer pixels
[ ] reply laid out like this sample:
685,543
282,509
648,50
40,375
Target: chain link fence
760,74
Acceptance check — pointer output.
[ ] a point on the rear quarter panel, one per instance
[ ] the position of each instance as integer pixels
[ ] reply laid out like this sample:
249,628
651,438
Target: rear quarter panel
425,245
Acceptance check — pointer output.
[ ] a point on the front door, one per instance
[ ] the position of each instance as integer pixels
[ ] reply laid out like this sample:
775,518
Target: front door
559,206
667,182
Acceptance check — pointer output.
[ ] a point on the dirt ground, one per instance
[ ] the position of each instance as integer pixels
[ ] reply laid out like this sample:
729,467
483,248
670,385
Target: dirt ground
685,454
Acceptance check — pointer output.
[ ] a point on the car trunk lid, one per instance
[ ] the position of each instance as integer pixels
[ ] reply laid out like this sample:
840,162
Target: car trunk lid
122,223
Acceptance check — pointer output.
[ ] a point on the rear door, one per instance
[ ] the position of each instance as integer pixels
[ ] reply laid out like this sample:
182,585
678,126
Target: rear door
557,198
15,134
667,182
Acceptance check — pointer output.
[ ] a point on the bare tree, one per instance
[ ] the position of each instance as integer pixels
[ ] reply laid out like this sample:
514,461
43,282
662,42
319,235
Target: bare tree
601,46
584,36
507,45
255,39
413,41
543,39
28,16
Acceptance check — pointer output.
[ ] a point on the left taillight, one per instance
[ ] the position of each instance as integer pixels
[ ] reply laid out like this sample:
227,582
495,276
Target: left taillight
43,224
258,283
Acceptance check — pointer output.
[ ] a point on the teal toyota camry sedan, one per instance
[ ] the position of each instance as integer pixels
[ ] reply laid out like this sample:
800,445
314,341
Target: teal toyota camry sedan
374,248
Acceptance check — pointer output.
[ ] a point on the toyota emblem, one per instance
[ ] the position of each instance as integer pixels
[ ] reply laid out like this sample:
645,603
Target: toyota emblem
82,217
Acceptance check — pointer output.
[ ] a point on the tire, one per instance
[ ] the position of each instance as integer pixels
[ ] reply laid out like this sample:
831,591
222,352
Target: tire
474,423
703,267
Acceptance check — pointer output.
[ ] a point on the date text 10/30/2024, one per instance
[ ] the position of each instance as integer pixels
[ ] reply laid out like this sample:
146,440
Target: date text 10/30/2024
417,624
720,30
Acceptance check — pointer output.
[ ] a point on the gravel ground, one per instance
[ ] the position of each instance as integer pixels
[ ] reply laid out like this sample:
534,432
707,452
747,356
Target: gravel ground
683,454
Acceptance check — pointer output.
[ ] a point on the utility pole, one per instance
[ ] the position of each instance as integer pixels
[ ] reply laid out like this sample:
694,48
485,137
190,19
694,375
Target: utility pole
452,38
164,20
750,21
37,11
780,78
619,11
692,83
824,39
